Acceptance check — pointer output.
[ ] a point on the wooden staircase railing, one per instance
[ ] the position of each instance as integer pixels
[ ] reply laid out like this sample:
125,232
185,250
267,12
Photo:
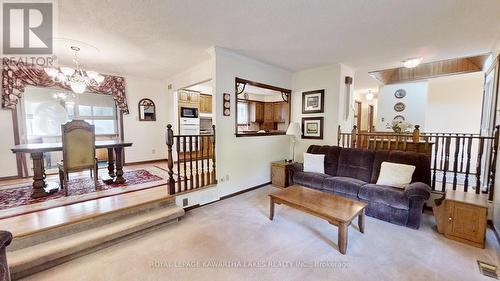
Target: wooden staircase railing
192,164
452,155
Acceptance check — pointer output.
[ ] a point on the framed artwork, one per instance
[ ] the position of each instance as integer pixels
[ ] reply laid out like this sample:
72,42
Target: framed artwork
398,107
312,128
399,94
400,118
226,110
313,102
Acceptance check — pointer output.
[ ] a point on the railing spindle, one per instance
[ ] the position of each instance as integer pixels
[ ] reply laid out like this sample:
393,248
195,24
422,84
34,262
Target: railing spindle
446,163
436,150
467,165
170,142
478,165
213,158
455,162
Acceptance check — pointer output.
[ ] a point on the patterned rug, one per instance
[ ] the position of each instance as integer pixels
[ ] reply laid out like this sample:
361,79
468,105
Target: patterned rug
21,195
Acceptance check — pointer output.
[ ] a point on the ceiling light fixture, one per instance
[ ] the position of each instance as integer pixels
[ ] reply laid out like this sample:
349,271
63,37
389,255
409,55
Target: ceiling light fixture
369,95
76,78
412,63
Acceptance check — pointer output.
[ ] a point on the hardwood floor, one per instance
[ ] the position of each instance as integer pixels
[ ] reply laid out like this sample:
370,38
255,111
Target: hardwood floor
32,222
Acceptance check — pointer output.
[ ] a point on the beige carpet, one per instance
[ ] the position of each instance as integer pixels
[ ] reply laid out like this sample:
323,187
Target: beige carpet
237,241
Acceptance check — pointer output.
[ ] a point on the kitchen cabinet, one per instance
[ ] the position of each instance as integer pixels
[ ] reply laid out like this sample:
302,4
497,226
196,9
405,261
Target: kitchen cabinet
268,112
280,112
256,112
205,103
189,98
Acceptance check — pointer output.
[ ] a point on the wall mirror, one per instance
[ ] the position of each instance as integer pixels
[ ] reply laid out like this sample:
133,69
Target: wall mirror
261,109
147,110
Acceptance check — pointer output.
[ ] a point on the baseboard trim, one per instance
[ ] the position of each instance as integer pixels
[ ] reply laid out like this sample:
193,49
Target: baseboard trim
145,162
495,231
244,191
9,178
227,196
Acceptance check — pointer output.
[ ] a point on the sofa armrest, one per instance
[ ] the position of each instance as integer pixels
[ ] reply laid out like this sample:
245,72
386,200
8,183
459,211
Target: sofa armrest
5,238
291,169
418,189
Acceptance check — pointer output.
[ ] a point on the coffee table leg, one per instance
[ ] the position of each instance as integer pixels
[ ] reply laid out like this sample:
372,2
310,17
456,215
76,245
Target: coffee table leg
342,242
271,209
361,221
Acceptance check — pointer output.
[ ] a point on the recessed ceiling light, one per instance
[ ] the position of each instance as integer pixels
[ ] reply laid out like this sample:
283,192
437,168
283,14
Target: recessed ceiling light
411,63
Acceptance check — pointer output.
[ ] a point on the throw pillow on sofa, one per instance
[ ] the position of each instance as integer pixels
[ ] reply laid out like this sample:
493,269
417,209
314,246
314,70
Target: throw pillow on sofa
396,175
314,163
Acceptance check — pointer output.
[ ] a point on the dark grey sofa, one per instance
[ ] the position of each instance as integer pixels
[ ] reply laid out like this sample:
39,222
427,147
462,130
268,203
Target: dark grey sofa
353,173
5,239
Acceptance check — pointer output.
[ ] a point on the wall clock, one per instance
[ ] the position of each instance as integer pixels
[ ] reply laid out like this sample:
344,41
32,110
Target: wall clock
399,107
399,94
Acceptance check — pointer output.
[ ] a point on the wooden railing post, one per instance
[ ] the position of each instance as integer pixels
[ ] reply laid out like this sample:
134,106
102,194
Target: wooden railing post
170,143
214,175
353,136
416,134
493,169
338,135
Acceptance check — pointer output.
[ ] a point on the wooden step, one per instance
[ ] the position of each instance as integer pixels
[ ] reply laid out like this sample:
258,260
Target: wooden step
29,260
47,238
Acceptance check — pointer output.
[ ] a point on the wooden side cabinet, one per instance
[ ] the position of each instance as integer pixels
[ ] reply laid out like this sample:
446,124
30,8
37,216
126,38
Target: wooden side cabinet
462,216
279,176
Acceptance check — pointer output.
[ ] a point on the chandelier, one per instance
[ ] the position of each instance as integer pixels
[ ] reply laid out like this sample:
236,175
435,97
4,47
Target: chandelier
76,78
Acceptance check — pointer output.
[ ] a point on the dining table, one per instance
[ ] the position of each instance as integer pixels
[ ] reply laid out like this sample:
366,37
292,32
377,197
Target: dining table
42,188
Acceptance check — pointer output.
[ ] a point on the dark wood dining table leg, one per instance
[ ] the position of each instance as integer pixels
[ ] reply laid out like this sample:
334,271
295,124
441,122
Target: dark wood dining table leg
119,165
111,163
40,187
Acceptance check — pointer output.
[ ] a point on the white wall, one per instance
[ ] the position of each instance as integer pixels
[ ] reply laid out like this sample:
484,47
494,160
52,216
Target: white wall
415,101
148,137
246,160
349,121
7,158
454,103
327,78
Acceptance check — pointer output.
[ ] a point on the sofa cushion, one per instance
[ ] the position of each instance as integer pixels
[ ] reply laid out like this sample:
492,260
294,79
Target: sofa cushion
420,161
356,163
343,185
395,174
309,179
314,163
391,196
331,157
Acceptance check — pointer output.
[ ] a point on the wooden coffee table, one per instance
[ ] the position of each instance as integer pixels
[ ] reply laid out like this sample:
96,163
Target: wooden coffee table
337,210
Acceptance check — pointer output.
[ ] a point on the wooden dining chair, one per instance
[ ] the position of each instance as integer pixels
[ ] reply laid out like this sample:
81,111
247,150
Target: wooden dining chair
78,139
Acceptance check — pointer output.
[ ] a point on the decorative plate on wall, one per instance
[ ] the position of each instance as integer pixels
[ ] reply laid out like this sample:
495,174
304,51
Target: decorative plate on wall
227,104
399,118
399,107
399,94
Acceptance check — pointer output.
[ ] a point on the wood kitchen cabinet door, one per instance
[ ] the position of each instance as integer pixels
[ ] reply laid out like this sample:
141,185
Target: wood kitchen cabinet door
256,112
268,112
279,112
205,103
183,97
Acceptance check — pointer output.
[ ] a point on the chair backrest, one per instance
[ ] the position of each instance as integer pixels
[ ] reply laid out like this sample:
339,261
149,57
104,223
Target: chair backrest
78,138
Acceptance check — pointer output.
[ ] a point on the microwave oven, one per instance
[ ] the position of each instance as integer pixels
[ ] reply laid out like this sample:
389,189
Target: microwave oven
189,112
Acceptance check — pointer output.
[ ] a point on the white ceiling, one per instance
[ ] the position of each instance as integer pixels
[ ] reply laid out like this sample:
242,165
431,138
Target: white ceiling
159,38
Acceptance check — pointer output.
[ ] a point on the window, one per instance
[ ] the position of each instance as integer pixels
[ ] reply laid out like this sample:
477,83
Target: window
243,113
46,109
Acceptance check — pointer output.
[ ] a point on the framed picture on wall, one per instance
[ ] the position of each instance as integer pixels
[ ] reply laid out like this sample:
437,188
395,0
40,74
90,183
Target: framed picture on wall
313,102
312,128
